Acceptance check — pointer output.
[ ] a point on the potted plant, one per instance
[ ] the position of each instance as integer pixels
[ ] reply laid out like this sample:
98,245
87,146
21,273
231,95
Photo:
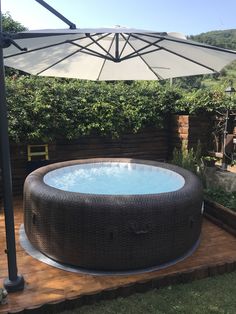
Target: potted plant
209,161
3,296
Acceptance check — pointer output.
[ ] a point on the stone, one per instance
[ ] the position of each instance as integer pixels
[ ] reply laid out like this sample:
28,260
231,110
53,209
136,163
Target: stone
217,178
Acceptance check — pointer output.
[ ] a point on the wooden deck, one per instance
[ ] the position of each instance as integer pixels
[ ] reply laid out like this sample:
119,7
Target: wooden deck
54,290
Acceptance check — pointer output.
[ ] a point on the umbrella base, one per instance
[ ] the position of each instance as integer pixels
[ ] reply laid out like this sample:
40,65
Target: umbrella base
14,285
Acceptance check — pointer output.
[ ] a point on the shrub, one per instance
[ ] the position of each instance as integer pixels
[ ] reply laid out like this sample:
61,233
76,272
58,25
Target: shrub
188,158
44,109
220,196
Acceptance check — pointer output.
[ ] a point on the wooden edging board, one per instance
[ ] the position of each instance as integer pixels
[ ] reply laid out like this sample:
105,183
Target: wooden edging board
220,215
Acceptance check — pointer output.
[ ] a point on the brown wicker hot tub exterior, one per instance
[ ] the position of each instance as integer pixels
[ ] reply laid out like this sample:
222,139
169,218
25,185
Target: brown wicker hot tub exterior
112,232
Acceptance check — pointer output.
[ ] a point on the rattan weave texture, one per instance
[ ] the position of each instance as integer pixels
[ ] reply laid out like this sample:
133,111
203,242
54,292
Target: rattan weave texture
112,232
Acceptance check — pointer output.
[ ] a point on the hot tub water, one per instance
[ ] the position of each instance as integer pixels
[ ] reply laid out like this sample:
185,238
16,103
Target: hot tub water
114,179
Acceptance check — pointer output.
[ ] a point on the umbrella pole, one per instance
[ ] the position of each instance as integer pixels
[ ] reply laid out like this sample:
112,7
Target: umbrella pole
14,282
59,15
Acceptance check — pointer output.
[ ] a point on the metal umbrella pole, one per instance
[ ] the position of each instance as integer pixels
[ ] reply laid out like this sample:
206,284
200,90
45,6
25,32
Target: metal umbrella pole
14,282
229,91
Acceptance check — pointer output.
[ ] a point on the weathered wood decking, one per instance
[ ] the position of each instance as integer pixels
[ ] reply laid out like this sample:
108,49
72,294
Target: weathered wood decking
53,289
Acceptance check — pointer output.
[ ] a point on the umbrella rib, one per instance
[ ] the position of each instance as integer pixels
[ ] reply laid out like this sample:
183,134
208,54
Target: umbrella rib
150,44
137,52
157,75
68,56
33,50
81,50
91,52
180,55
103,64
33,35
100,46
53,45
126,42
165,36
100,72
191,60
52,65
201,45
41,48
117,57
134,54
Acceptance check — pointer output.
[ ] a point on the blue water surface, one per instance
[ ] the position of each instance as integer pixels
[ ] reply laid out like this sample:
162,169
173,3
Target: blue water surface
114,178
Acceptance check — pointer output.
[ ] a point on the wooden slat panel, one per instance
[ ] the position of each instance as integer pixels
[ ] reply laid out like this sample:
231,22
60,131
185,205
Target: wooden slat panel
149,144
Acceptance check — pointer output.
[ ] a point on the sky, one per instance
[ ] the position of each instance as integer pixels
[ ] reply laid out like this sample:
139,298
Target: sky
186,16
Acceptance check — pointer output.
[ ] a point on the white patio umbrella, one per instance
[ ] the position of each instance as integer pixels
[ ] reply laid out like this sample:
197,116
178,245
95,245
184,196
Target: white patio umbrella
113,54
94,54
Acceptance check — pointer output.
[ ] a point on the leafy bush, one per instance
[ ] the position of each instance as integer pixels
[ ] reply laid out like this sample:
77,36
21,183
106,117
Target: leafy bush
43,109
220,196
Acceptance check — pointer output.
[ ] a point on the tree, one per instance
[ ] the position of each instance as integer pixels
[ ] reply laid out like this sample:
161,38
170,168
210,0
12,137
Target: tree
11,26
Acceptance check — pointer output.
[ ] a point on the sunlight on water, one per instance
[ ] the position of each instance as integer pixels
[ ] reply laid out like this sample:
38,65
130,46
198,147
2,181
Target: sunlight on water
114,178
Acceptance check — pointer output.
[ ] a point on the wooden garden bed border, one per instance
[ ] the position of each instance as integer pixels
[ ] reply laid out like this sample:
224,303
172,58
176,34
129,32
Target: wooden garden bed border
220,215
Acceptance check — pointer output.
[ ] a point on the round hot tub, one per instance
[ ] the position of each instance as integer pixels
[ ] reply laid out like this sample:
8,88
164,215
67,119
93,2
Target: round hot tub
113,214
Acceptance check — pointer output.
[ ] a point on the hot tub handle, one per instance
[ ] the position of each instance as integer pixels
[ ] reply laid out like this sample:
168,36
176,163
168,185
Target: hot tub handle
34,217
140,229
191,221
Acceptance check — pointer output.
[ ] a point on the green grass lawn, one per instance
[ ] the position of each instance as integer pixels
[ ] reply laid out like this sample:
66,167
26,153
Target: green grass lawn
211,295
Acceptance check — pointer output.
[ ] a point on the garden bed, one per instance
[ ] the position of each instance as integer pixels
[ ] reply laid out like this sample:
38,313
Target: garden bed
221,215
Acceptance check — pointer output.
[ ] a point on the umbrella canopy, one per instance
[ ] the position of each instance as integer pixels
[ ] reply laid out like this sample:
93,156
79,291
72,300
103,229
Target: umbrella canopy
113,54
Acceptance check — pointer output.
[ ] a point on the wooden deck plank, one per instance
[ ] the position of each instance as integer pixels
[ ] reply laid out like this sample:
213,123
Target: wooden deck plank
47,285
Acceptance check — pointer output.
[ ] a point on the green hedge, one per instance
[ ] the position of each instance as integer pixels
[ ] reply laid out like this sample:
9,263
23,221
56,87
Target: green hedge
46,109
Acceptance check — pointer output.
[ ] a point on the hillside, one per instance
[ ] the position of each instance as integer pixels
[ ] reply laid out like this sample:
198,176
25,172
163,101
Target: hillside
225,39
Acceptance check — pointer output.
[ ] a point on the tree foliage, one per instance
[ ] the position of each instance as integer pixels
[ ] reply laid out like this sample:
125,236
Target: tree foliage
11,26
224,39
208,100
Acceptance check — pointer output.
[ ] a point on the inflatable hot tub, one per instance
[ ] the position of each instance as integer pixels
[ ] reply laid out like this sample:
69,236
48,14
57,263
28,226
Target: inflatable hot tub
113,214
